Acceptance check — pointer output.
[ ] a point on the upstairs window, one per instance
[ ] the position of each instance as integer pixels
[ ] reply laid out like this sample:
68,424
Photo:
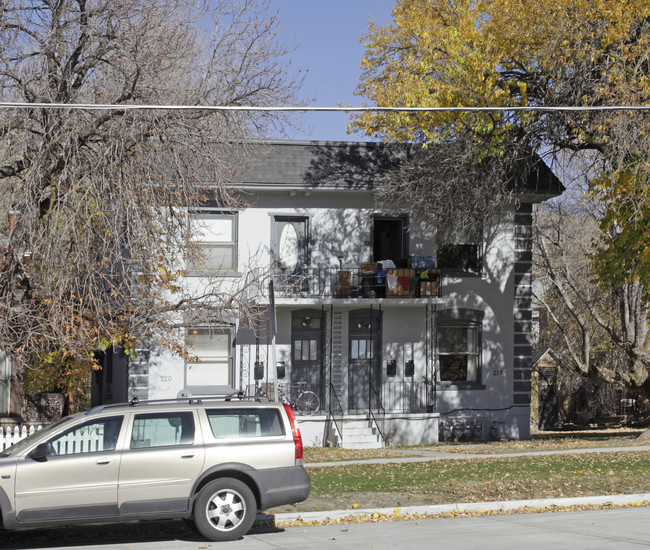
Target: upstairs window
466,258
216,235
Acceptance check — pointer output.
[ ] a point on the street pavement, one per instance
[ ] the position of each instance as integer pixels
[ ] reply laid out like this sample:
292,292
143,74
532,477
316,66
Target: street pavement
612,529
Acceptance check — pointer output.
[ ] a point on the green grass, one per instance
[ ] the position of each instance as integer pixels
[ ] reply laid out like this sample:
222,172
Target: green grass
475,480
492,479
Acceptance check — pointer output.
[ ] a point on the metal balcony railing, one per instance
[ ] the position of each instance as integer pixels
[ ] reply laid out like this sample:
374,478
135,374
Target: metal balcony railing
366,281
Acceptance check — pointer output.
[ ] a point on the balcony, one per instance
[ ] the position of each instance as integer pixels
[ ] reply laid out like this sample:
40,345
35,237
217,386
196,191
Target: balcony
367,282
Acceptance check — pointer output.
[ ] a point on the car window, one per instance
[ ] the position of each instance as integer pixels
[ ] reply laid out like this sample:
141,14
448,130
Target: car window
93,436
162,430
244,422
16,447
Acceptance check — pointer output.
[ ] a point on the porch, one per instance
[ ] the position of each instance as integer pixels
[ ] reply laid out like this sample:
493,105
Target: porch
367,431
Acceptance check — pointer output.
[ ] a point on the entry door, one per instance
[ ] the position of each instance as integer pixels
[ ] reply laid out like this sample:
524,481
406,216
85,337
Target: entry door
364,372
306,349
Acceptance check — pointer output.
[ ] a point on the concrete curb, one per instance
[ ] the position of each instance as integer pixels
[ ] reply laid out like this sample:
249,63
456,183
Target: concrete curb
507,505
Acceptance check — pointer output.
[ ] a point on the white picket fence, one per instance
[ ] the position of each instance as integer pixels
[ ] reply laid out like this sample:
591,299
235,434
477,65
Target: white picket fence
83,440
11,435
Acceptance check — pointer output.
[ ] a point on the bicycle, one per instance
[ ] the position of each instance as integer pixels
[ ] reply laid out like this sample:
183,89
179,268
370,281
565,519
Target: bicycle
306,402
303,283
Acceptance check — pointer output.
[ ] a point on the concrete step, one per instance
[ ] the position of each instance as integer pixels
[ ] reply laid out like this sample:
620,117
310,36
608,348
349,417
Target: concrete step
360,434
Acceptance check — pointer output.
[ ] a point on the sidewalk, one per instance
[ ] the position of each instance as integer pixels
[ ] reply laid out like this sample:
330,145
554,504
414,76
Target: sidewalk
429,456
640,499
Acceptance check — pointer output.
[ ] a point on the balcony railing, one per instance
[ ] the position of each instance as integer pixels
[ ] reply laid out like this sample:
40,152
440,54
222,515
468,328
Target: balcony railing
367,281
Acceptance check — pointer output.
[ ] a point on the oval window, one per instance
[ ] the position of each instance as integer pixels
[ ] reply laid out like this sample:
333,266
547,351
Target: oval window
289,247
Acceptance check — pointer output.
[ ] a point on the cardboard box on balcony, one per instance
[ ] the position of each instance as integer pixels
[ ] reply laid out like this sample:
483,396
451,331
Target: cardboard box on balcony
429,289
370,266
343,283
405,283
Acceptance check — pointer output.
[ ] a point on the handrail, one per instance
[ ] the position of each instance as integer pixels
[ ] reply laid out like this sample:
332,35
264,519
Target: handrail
335,402
380,411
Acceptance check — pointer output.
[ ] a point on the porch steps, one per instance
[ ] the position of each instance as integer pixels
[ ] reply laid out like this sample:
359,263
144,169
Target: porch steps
360,433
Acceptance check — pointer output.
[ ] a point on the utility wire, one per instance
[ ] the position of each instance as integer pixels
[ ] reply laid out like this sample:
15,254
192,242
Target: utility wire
349,109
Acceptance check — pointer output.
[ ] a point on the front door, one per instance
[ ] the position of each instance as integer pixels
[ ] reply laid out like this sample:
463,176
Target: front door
364,373
306,349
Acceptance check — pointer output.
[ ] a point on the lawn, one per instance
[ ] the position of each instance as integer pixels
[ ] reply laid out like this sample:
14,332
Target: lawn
476,479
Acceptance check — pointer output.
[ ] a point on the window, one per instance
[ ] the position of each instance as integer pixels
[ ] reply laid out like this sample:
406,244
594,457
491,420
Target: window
305,350
210,363
461,257
228,423
162,430
216,234
290,242
458,353
98,435
360,348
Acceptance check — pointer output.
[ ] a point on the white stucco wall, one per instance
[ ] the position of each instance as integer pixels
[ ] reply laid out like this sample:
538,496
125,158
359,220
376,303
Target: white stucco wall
341,225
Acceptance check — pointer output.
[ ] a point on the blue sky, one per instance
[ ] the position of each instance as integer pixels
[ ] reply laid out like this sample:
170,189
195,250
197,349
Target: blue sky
326,36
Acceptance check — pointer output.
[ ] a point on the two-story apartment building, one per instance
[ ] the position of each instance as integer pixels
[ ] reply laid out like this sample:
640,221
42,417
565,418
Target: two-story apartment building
365,310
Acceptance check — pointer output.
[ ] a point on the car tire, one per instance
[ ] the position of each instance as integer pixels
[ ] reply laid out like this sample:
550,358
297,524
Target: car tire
225,509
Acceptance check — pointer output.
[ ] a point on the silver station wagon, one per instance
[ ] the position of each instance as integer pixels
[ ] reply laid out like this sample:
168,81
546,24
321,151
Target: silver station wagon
214,461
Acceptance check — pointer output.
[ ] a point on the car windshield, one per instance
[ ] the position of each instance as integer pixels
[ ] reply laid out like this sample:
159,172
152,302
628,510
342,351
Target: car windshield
17,447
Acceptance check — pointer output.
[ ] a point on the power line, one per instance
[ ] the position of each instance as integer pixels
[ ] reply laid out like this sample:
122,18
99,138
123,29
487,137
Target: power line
349,109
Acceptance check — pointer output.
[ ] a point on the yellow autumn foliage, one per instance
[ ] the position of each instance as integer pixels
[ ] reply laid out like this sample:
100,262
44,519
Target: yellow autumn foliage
502,53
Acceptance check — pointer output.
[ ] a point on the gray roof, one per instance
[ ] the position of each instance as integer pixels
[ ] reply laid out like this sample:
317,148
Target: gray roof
347,165
353,165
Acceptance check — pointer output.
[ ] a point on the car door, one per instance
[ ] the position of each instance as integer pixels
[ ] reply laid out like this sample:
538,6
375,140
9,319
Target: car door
72,475
163,459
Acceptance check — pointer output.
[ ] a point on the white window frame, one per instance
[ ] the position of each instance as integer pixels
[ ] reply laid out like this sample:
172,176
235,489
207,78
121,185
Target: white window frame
198,359
472,378
462,318
208,242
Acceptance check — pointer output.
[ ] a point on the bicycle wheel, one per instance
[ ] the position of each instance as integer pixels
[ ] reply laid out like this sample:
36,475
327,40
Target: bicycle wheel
307,403
313,285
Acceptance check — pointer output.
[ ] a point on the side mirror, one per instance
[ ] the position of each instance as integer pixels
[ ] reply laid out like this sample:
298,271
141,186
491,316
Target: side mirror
41,452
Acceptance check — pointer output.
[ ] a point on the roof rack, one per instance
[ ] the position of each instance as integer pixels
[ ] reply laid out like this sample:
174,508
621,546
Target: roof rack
183,397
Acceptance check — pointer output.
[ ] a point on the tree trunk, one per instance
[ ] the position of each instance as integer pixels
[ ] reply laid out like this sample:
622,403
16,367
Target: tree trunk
645,436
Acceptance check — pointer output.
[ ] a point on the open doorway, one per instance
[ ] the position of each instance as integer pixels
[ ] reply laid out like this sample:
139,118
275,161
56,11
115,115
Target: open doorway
390,238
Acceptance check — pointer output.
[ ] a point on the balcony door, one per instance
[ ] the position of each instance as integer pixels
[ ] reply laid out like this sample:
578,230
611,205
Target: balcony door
390,238
290,242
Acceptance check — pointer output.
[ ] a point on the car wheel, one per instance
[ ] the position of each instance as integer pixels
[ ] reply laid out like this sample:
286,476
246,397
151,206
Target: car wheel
225,510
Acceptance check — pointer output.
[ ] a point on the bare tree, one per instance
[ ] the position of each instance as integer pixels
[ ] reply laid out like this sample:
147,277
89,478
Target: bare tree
599,331
95,228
